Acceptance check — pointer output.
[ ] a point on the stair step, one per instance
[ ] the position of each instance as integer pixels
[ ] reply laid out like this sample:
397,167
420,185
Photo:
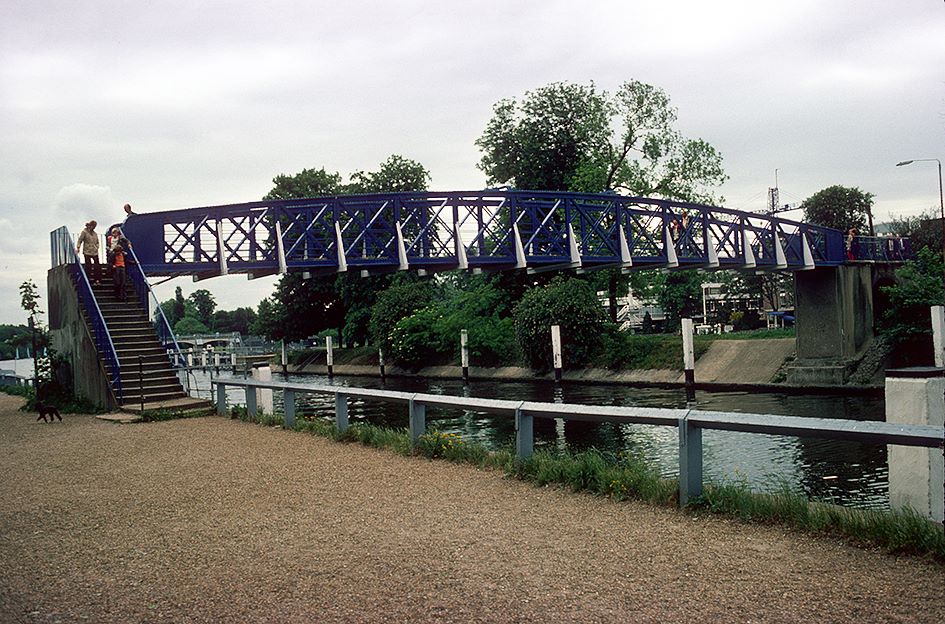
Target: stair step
150,379
132,397
135,389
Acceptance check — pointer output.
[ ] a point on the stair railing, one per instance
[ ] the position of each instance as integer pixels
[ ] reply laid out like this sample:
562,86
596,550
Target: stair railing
161,325
146,296
63,253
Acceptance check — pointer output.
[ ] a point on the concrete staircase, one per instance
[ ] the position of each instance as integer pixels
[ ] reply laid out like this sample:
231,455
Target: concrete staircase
146,373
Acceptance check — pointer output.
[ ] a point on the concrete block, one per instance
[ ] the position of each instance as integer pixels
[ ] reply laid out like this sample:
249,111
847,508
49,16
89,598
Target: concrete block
916,396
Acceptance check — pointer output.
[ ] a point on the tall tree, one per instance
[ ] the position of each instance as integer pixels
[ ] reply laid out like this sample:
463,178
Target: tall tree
924,230
395,175
567,136
178,310
573,137
841,208
204,304
306,183
302,307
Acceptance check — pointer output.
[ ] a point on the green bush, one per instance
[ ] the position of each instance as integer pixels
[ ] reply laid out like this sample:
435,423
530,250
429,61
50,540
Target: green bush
568,302
432,335
397,303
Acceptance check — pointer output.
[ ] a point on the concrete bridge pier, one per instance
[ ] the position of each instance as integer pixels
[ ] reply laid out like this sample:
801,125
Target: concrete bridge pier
834,311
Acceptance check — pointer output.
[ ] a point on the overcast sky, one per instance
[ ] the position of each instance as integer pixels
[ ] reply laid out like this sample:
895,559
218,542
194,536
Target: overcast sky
176,104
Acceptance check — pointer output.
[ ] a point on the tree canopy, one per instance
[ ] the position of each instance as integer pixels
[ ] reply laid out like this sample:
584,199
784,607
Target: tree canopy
839,207
301,307
567,136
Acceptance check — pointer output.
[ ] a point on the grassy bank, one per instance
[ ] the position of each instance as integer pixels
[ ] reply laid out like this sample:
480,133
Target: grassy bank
618,351
626,477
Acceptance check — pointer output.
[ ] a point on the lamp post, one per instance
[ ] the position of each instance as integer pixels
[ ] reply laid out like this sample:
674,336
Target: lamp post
941,197
941,200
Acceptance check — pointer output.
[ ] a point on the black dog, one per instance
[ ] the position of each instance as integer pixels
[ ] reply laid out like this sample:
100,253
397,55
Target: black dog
45,410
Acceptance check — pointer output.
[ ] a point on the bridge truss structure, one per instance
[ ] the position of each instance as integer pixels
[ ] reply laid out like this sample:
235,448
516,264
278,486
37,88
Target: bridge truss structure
481,231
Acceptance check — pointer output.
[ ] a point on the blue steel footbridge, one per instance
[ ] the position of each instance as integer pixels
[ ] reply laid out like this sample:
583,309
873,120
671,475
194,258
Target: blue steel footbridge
430,232
482,231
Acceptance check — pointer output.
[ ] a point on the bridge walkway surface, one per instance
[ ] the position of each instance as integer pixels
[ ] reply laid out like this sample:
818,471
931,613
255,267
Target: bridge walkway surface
214,520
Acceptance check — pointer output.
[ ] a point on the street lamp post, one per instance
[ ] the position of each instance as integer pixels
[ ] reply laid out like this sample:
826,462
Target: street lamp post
941,201
941,196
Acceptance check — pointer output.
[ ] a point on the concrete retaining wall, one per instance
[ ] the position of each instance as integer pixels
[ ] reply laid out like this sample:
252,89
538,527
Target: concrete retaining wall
71,338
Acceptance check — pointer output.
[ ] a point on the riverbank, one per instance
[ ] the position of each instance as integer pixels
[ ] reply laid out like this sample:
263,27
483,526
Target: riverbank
738,365
215,520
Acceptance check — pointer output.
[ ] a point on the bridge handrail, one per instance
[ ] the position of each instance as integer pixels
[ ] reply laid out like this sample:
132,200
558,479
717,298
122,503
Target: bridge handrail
63,253
689,422
883,249
146,293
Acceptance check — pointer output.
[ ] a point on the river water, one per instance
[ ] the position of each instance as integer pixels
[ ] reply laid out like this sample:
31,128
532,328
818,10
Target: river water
845,473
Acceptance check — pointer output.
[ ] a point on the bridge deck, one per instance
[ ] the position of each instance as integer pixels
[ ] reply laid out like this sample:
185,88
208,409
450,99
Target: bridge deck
484,230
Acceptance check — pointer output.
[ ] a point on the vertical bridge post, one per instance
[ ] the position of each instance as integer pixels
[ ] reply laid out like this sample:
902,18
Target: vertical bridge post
341,412
524,434
251,401
418,420
221,399
288,401
690,461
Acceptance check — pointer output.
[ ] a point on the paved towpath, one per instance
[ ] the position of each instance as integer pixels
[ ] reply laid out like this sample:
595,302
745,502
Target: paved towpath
213,520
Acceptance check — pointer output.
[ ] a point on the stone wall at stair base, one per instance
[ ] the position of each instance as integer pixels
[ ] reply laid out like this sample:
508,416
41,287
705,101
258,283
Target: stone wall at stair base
71,338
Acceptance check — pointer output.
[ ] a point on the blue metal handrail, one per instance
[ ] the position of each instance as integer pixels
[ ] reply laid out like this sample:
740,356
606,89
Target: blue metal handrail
63,253
883,249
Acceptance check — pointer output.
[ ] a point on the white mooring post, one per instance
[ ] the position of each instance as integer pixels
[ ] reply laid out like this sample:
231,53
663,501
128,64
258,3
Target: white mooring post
556,350
464,353
330,358
203,358
264,395
233,360
916,396
938,334
216,360
190,357
689,361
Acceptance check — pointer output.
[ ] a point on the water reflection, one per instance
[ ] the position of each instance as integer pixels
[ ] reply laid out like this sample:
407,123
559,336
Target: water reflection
847,473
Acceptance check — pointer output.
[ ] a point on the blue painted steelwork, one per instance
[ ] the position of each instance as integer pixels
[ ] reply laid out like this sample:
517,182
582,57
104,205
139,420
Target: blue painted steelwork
486,230
63,252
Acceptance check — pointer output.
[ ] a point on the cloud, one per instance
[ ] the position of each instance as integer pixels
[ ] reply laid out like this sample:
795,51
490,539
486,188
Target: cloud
86,201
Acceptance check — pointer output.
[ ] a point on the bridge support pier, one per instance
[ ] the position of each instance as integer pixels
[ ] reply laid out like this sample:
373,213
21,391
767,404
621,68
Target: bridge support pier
834,311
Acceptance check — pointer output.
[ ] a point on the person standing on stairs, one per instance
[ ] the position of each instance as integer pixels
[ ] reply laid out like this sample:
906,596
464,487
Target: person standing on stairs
118,259
87,245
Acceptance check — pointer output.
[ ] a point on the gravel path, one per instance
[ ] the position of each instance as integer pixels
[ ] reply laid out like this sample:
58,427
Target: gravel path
213,520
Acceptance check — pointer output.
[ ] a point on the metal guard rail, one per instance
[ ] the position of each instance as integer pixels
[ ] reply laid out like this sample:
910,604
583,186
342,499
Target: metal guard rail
690,423
63,253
